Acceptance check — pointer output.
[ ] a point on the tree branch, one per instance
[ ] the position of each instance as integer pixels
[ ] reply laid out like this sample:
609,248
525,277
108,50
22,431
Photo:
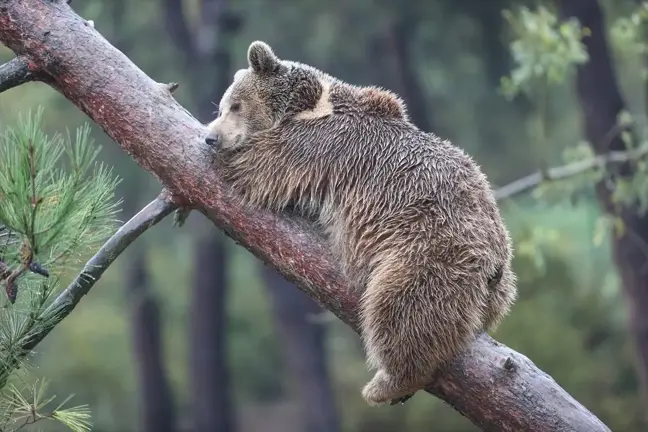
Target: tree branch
496,388
14,73
65,303
531,181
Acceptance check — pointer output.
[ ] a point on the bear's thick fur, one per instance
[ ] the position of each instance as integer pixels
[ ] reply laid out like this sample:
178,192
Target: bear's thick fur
411,218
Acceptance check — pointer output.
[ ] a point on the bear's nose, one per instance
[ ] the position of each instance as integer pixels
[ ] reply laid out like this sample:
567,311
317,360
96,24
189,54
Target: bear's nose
211,140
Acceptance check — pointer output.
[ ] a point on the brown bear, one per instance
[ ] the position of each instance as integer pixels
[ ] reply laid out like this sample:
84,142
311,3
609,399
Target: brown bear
411,217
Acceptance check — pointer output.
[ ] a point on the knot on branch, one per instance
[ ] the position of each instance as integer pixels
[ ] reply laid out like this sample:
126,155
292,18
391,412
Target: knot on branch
509,364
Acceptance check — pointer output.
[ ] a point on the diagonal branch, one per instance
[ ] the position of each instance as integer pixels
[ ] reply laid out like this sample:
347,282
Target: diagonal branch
496,388
531,181
65,303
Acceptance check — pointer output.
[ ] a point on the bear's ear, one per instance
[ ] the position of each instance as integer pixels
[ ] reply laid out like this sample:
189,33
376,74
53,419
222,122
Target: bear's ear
261,58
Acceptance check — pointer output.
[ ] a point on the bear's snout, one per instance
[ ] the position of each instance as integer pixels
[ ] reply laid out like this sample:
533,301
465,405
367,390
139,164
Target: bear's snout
212,140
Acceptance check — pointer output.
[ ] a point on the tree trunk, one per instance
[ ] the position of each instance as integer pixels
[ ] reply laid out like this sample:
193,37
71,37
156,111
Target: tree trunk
303,342
601,103
210,383
156,400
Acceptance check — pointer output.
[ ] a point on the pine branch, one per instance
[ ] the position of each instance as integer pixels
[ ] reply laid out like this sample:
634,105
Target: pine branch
65,303
531,181
495,387
16,72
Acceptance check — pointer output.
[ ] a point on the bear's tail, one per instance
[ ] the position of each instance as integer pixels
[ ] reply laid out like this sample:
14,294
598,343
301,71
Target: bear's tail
412,322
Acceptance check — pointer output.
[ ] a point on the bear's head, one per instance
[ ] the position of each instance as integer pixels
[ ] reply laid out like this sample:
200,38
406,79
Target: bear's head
269,91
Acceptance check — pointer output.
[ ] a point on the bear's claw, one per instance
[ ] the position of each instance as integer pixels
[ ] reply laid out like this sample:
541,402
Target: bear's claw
401,400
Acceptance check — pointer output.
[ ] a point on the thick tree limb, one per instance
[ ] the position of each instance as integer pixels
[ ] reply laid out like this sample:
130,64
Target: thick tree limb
496,388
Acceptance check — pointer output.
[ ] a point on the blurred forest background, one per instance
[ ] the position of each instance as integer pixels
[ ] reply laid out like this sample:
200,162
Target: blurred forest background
189,332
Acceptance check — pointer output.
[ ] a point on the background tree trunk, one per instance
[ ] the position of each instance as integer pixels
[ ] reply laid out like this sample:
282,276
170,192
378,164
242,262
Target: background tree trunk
156,400
394,68
601,103
303,340
207,63
156,395
210,380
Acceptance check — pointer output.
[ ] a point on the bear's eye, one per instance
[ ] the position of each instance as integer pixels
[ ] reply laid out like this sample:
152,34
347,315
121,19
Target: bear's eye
236,107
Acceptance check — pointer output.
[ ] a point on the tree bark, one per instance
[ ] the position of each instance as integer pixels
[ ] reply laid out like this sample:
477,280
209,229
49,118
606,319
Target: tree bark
601,102
156,399
495,387
303,340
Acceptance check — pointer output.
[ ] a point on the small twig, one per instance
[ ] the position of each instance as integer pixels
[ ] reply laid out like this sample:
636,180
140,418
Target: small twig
37,268
14,73
565,171
65,303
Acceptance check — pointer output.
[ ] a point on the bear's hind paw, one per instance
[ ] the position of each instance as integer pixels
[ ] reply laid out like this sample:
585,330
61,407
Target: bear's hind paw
382,389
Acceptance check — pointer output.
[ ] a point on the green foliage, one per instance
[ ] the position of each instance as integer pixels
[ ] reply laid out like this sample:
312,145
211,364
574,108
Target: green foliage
628,33
57,201
544,49
57,204
18,412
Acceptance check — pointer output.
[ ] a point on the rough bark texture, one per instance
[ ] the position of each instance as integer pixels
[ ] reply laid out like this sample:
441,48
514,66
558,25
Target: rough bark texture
303,340
601,102
496,388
